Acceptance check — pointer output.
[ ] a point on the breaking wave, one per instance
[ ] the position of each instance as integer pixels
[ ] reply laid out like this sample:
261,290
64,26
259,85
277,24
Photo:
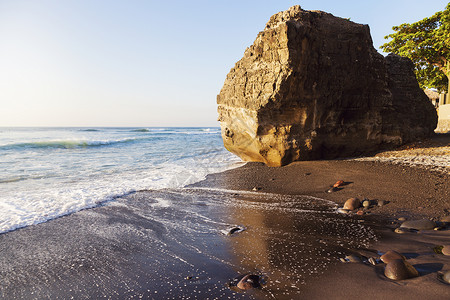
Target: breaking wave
67,144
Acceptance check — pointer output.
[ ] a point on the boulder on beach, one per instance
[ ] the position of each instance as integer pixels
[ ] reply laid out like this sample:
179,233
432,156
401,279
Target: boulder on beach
312,86
399,269
419,224
390,256
352,204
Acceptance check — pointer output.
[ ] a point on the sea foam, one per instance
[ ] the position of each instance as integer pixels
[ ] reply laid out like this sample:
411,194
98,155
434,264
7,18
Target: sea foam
47,173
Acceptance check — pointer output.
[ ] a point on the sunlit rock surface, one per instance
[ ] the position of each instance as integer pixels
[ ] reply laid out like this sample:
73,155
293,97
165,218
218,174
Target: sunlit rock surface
312,86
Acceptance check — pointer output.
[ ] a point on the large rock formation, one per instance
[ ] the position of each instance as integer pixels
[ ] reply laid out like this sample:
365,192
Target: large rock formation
312,86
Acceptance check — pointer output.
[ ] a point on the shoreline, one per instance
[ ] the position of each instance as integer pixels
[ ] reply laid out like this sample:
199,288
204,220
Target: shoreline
408,190
159,243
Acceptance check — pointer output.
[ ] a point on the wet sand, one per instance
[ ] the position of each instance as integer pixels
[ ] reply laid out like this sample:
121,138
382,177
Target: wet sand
173,244
409,191
170,244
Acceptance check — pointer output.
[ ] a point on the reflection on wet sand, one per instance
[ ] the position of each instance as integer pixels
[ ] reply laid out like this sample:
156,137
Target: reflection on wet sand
169,244
290,239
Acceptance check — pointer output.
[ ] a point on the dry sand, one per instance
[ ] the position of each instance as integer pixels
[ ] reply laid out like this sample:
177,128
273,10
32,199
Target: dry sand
414,179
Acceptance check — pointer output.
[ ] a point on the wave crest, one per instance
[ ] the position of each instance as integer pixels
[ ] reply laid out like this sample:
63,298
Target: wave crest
66,144
140,130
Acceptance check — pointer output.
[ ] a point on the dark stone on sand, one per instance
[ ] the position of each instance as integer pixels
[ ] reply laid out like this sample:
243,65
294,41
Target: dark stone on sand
249,282
423,224
235,230
352,204
399,269
446,250
390,256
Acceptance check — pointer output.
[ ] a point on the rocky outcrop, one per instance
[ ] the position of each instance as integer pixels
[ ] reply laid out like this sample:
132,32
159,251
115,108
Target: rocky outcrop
312,86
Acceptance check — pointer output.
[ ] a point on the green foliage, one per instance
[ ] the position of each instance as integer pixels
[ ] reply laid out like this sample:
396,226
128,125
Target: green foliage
427,44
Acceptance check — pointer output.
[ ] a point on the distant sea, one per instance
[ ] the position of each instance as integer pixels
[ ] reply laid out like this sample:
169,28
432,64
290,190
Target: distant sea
46,173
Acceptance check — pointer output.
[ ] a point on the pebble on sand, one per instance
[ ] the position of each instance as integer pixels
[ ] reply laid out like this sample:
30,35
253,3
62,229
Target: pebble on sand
352,258
404,230
381,202
338,183
390,256
423,224
400,269
372,261
446,250
352,204
233,230
333,189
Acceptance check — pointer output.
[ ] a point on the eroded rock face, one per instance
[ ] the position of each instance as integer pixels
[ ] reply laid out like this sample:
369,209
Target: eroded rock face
312,86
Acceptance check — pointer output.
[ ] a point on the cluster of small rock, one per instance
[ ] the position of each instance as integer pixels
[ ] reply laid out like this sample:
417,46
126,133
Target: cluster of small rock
354,204
397,266
359,207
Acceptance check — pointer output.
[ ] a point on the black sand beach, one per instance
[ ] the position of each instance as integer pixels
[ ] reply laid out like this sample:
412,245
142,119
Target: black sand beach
173,243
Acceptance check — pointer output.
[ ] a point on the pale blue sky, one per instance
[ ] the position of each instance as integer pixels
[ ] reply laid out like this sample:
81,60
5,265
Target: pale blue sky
143,63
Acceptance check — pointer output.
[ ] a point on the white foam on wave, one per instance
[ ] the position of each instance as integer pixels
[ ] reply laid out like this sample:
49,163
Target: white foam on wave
41,200
67,144
162,203
262,194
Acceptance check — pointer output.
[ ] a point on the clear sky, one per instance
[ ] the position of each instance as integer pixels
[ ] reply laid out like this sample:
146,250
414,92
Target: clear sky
144,63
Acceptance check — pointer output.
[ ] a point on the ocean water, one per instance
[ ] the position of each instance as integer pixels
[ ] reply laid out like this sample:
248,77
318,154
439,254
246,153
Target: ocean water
165,241
46,173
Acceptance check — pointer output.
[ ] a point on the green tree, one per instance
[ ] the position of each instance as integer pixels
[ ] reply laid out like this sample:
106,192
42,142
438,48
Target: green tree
427,44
